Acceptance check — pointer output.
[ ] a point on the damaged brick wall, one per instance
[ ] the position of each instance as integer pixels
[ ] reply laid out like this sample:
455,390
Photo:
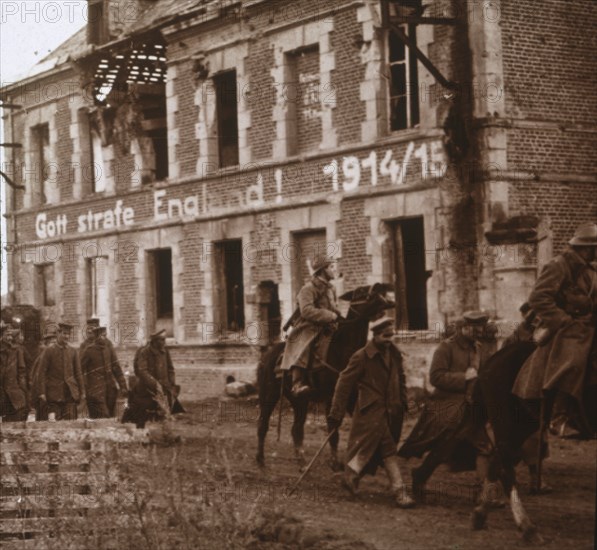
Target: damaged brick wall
551,94
347,77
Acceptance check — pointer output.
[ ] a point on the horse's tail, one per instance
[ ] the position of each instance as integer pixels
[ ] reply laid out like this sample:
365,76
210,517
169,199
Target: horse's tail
266,376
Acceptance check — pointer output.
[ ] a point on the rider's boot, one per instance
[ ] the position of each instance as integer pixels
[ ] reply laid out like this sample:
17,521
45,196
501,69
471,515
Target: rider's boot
299,388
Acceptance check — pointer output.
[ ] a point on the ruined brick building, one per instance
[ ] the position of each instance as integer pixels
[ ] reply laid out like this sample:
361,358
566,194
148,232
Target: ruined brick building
181,160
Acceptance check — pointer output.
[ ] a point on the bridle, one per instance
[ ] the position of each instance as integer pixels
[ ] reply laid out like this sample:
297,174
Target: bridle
366,300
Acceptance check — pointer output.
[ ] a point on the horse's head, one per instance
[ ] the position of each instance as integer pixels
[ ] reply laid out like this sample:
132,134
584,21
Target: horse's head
369,302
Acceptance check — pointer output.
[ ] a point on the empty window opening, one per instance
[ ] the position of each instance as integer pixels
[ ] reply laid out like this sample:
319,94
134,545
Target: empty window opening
302,98
229,284
151,100
227,115
97,284
163,283
45,287
409,275
41,153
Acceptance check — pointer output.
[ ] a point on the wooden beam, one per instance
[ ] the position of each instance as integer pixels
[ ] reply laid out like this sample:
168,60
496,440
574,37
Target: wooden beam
414,20
13,145
10,182
423,58
153,124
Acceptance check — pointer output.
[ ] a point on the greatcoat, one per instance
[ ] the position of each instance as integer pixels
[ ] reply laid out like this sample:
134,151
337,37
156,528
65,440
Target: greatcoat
102,371
318,310
60,377
565,300
380,406
13,378
35,389
447,407
152,367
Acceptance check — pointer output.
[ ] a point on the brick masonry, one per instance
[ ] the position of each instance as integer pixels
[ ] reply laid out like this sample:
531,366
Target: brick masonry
540,135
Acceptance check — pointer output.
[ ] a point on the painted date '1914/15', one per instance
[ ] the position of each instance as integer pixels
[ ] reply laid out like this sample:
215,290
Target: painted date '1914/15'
432,165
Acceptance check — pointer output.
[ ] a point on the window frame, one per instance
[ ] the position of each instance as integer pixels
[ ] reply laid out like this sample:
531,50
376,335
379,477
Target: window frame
41,134
43,296
411,94
219,83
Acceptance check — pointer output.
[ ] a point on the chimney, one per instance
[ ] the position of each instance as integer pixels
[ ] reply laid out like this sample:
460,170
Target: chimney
107,19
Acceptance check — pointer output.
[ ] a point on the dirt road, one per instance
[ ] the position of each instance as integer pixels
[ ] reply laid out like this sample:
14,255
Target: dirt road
225,434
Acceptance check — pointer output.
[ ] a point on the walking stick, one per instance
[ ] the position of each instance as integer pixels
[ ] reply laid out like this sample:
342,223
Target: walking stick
280,407
540,444
310,465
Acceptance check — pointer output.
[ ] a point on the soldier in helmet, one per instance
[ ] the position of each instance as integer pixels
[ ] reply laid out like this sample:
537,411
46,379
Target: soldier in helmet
564,299
317,320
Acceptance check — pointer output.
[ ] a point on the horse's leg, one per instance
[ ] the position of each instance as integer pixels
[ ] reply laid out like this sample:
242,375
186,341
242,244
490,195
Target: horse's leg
335,464
300,408
434,458
267,404
508,478
481,511
523,522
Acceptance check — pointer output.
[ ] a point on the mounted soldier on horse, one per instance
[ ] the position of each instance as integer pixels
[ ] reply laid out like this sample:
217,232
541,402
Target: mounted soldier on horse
314,321
520,382
316,352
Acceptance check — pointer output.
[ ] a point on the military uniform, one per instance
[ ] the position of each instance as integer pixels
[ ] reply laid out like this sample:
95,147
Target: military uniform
381,403
308,343
60,379
318,311
154,371
103,377
447,427
564,298
375,372
13,382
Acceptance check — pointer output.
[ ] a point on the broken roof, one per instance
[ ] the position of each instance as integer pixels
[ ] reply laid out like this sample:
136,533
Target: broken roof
151,14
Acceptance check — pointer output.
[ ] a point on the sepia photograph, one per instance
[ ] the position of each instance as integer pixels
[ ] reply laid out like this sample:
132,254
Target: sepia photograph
298,274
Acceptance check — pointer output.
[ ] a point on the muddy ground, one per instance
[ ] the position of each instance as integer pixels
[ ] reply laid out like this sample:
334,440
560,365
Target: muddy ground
223,435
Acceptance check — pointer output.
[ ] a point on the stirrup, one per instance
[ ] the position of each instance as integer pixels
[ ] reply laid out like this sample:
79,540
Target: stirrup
299,388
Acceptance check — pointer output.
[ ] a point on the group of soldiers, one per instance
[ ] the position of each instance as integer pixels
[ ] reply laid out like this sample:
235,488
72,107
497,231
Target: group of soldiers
560,317
64,380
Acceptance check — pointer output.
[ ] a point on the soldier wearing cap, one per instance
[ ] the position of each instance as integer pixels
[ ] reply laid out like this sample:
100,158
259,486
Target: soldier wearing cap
454,368
564,299
90,335
90,327
155,374
13,378
312,332
60,383
103,376
376,372
41,412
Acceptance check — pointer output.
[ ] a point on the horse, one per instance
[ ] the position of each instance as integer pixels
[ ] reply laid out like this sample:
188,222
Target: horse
366,303
513,421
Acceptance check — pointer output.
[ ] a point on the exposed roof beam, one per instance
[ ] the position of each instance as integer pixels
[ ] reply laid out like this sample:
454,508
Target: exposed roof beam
425,61
10,182
414,20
